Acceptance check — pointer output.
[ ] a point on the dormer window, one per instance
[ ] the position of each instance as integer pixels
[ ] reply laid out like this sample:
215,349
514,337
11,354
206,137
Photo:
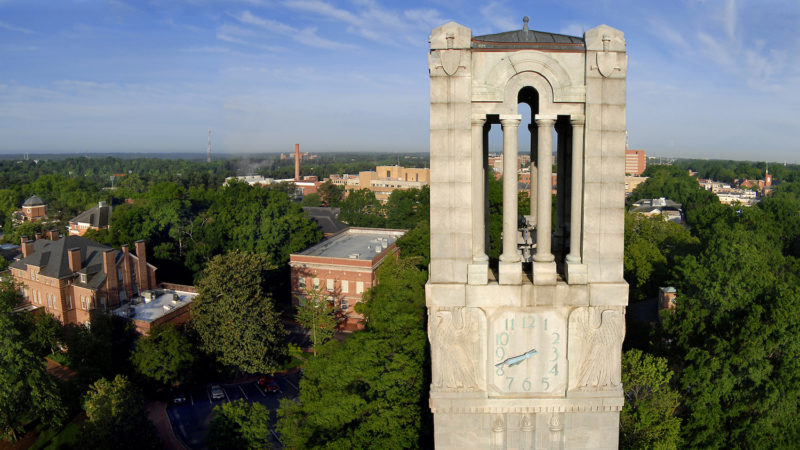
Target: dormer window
83,278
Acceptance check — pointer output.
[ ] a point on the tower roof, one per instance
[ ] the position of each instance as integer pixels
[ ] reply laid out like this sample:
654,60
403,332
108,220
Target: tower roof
529,39
33,200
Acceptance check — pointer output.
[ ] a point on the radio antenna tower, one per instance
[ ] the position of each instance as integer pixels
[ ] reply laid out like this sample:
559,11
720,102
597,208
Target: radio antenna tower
208,152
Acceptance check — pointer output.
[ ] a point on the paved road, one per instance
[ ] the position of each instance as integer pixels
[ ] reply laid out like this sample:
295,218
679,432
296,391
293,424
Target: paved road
190,421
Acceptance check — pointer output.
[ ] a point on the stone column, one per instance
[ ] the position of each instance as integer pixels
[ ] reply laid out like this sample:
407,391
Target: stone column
544,266
479,268
576,271
510,260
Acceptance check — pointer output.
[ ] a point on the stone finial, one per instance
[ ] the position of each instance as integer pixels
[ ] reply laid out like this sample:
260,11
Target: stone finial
525,21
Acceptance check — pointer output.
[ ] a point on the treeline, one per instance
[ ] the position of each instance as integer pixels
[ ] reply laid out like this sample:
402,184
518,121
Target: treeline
722,368
728,171
325,165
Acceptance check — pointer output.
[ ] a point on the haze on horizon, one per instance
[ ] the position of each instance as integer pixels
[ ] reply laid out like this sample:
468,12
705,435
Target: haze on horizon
705,79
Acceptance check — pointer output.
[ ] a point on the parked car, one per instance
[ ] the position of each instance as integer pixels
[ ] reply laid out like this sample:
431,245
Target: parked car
216,392
178,397
269,384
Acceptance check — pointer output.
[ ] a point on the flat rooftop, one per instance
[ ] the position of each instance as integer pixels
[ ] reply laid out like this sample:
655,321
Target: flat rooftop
355,243
164,302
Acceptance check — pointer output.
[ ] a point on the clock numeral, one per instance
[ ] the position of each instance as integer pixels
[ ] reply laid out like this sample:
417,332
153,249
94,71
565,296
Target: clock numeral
555,354
528,322
501,338
526,385
512,325
500,352
554,369
546,382
510,380
556,338
500,371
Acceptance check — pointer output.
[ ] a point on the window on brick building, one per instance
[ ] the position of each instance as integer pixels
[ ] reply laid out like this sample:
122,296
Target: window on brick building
329,284
301,282
69,302
344,304
345,286
83,302
359,287
315,283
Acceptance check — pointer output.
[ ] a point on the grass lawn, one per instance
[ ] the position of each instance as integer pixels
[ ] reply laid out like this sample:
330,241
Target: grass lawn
56,438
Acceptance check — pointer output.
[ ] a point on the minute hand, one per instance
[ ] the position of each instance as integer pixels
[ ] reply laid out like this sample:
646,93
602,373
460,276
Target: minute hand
514,360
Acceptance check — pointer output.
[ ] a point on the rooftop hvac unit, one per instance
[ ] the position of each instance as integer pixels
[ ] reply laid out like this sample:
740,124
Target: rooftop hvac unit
168,307
175,298
354,256
148,295
378,248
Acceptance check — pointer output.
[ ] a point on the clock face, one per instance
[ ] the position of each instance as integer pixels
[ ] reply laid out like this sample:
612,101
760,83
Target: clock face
527,352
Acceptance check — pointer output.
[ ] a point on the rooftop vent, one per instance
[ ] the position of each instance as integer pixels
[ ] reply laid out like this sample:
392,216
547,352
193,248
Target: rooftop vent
168,307
354,255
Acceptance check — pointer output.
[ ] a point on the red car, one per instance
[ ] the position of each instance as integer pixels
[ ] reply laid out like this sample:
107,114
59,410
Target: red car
269,384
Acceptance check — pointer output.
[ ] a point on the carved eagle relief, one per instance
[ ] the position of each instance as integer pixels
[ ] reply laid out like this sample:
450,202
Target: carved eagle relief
597,333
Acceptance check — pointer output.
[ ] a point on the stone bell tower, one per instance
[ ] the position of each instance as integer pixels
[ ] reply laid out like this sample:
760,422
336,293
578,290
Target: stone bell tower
526,351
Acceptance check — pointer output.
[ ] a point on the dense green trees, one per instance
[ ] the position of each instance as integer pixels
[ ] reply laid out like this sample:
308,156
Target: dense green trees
648,418
165,355
371,390
27,391
317,315
239,425
234,314
115,417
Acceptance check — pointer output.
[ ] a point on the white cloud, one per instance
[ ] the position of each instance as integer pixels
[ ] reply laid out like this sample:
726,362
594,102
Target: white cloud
499,16
15,28
307,36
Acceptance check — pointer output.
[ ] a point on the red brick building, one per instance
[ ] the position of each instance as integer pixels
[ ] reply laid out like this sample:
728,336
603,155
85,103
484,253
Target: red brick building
33,209
72,276
97,218
343,267
635,162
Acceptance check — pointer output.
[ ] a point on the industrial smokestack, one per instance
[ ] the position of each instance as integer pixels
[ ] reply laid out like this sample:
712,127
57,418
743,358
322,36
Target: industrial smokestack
296,162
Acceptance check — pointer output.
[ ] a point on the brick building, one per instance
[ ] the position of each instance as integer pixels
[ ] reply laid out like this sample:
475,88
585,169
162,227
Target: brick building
343,267
72,276
635,162
97,218
384,180
169,303
33,208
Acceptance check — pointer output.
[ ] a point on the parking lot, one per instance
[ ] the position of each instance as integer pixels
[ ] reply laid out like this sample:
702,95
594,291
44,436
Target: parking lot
190,421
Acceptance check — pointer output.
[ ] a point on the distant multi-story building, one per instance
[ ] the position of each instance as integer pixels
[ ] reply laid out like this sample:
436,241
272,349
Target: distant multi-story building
97,218
654,206
33,208
635,162
384,180
342,267
72,276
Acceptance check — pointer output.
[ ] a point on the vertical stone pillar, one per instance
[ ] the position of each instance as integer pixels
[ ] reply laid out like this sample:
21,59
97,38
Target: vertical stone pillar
510,261
479,268
544,266
576,271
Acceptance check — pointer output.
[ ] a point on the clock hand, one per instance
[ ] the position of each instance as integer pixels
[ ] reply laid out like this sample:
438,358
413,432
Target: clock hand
514,360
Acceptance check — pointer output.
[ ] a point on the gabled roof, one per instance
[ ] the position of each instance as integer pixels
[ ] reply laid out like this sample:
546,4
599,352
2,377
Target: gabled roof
97,217
52,257
33,200
325,218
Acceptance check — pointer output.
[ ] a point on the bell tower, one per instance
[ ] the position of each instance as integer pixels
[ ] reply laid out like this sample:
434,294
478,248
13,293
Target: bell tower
526,348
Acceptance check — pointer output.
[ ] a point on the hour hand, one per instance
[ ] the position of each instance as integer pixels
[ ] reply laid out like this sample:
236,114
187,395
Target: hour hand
514,360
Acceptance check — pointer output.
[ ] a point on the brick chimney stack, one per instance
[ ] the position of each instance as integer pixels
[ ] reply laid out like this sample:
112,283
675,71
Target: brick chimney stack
27,246
142,272
52,235
37,236
296,162
111,276
75,259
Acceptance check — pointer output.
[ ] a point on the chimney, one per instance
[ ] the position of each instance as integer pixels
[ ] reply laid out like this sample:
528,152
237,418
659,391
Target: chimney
143,278
296,162
52,235
75,259
37,236
126,271
110,270
27,246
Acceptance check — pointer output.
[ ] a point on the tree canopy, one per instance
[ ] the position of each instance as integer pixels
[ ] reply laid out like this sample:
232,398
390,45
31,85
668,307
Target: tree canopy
239,425
234,314
165,355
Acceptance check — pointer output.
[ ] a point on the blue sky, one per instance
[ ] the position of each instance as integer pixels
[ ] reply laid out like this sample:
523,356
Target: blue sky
714,79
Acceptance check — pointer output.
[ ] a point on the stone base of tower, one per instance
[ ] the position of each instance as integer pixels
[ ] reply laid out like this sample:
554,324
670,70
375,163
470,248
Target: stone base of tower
513,430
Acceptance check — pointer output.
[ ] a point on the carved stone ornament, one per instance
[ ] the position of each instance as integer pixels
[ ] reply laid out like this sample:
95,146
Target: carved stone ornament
595,344
451,59
606,60
456,349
